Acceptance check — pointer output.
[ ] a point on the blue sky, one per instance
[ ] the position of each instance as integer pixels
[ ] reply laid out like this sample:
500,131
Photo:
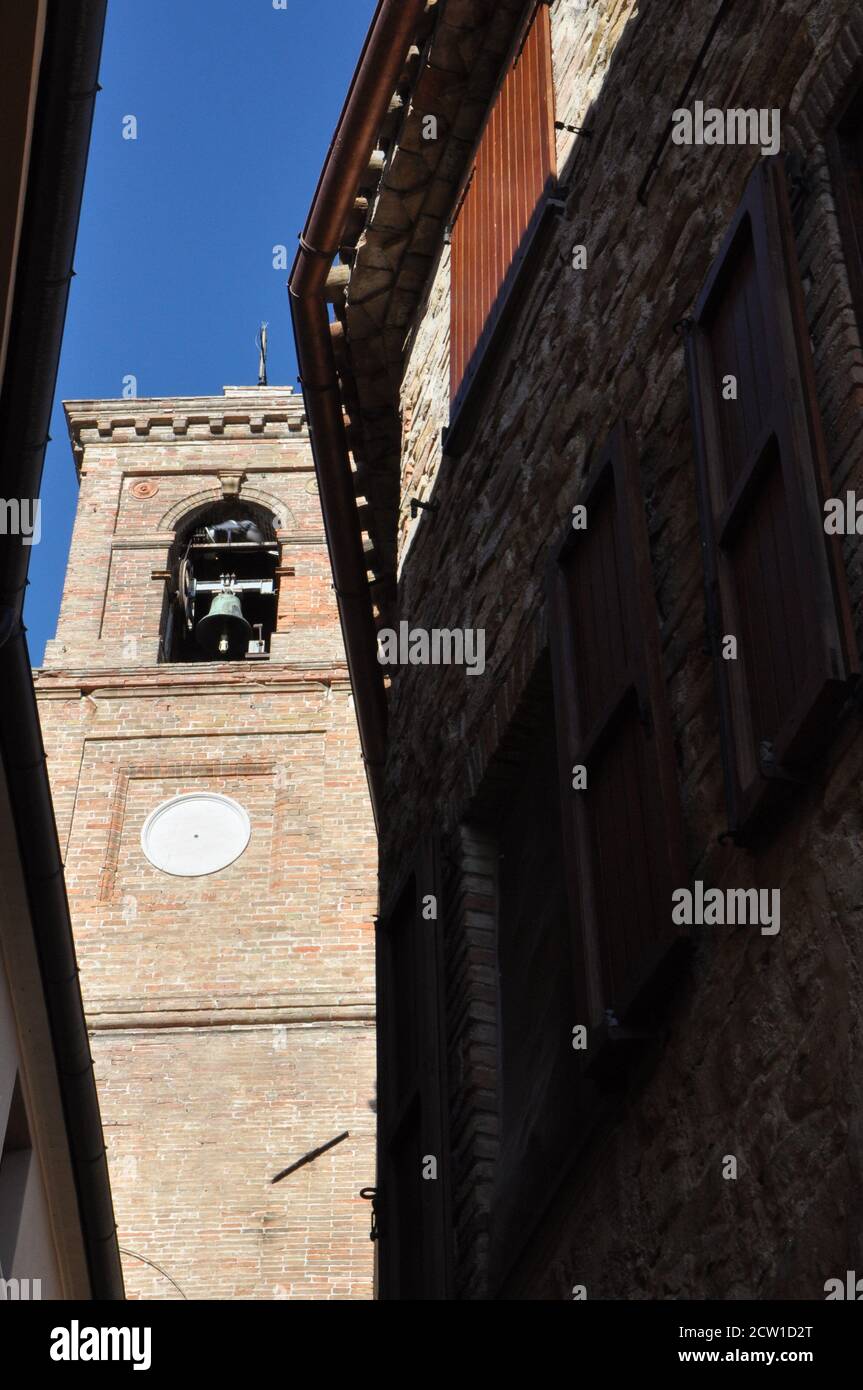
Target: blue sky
236,103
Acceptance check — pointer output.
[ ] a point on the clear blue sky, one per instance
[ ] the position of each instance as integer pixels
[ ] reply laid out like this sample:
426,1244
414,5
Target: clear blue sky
236,103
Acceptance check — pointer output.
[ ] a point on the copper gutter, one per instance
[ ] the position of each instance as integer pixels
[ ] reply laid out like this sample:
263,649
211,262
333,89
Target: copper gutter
364,113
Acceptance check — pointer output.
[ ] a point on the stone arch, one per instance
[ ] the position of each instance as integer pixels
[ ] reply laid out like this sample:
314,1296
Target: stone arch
182,512
174,516
213,509
190,561
276,505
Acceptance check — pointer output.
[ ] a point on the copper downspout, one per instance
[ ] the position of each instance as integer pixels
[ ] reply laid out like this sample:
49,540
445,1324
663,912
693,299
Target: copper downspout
364,112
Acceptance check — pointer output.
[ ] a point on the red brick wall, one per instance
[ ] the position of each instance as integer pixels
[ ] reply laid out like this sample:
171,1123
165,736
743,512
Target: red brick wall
231,1015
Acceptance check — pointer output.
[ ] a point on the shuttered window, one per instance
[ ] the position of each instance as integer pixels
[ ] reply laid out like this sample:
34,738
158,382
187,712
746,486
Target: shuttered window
537,1112
412,1211
775,582
845,151
623,831
513,169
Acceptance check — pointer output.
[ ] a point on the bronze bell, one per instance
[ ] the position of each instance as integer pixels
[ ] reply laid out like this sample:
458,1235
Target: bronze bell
224,633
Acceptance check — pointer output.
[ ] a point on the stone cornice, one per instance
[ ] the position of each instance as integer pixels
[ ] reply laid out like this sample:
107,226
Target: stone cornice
115,682
253,413
171,1014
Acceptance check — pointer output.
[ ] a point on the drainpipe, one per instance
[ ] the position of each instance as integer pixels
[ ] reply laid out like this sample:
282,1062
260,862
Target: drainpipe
365,110
61,137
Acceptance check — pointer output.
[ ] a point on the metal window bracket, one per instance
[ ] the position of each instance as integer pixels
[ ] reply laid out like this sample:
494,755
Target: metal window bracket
573,129
774,771
372,1194
417,506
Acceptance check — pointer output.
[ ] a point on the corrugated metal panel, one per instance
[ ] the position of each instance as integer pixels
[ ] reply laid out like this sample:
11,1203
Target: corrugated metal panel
514,165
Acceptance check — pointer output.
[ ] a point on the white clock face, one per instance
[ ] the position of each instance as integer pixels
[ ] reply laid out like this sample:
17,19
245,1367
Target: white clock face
194,835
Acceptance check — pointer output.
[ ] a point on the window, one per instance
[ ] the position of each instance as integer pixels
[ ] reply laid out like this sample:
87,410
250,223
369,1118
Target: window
538,1090
223,586
412,1200
845,151
502,201
779,617
622,823
15,1157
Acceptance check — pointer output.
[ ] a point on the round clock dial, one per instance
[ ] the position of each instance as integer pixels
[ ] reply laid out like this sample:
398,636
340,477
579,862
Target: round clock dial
196,834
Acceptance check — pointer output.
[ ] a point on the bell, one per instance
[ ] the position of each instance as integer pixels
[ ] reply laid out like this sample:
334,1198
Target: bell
224,633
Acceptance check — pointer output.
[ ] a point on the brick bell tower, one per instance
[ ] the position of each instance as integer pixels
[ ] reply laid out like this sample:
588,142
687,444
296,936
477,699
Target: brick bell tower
219,847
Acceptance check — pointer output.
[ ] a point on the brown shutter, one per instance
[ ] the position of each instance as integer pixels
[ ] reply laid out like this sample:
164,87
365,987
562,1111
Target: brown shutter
844,144
774,580
623,833
514,167
412,1211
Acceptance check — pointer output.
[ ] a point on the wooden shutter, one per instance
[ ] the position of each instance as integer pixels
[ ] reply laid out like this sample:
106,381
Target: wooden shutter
514,166
775,582
844,145
623,833
413,1221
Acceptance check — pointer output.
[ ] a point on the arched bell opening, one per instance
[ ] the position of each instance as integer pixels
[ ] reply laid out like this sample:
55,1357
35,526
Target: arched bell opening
222,594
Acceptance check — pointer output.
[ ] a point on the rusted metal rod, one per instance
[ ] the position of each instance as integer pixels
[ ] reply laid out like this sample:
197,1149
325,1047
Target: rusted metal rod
310,1157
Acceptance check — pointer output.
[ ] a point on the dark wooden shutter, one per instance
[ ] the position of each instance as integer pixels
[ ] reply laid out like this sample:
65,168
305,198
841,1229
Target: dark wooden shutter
774,580
514,166
844,145
623,834
413,1220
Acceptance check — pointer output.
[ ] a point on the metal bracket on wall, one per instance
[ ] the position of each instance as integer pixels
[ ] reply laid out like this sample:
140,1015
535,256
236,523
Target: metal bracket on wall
417,506
371,1194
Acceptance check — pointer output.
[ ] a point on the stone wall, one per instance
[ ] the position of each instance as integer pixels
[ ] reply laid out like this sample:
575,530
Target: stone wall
762,1055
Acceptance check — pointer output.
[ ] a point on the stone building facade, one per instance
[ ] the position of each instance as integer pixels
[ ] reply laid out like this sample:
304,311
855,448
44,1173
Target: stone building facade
705,1142
230,1005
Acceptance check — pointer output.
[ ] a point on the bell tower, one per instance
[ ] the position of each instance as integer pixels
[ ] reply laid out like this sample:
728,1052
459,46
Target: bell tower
219,848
